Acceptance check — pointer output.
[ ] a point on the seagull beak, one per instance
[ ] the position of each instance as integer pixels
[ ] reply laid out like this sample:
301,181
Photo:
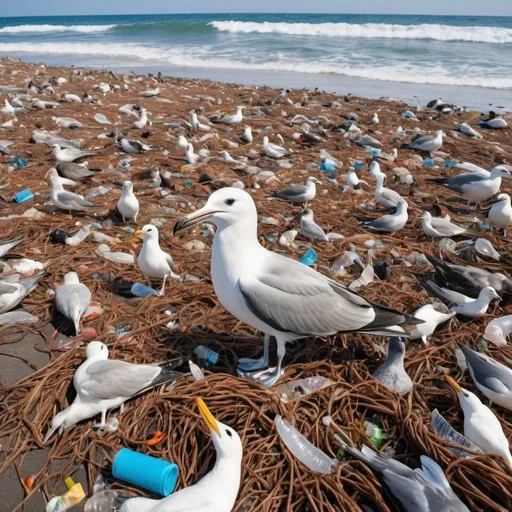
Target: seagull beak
207,416
453,384
46,175
48,435
193,219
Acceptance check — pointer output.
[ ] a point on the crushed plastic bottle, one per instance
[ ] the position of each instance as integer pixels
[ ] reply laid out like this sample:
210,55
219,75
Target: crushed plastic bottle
119,257
450,163
447,244
75,494
17,162
311,456
288,237
19,316
206,356
141,290
485,248
303,387
309,258
105,501
96,192
79,237
365,278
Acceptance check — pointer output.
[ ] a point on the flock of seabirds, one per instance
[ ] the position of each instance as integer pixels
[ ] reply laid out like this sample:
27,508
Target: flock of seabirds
279,296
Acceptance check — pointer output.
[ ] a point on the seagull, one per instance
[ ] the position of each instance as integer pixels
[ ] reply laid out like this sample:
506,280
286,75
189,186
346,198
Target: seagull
246,137
494,122
375,169
14,288
279,296
497,330
386,197
431,318
69,154
68,122
75,172
352,178
428,143
217,490
309,228
438,227
192,158
481,426
150,93
64,199
72,98
298,193
492,378
465,128
128,204
390,223
72,299
4,146
469,280
374,120
133,146
102,384
142,121
182,143
153,262
476,186
500,213
233,119
273,150
392,374
464,305
7,245
419,490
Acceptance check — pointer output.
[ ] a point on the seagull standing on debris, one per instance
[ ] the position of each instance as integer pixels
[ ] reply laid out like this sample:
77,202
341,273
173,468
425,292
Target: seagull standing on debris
464,305
143,119
192,158
386,197
481,426
102,384
246,137
392,374
431,318
232,119
310,229
72,299
428,143
390,223
217,490
133,146
128,204
69,154
438,227
64,199
182,143
153,262
500,213
492,378
276,295
273,150
298,193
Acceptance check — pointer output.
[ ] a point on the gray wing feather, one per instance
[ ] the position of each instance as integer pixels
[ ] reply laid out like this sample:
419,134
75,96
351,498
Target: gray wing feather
457,182
8,287
313,229
169,259
293,301
112,379
384,223
71,299
294,191
73,200
450,295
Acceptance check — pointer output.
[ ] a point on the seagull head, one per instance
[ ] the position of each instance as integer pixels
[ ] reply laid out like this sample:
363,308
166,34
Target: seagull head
226,441
225,207
312,179
501,172
51,174
468,401
96,349
127,186
307,213
58,423
488,293
396,348
71,278
55,148
148,232
265,140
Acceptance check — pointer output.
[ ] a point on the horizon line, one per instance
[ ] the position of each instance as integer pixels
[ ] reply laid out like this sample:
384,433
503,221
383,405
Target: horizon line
278,12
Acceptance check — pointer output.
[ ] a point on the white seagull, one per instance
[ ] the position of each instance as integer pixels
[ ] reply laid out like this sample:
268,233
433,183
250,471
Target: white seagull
481,426
128,204
279,296
500,213
273,150
390,223
217,490
14,288
432,318
69,154
182,143
143,119
72,299
298,193
232,119
439,227
310,229
102,384
153,262
386,197
428,143
64,199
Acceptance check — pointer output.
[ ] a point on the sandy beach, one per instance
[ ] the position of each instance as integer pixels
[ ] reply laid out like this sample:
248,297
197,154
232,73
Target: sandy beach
37,363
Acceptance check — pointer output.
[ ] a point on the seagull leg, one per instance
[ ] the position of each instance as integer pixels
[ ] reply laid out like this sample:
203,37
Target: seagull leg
103,420
269,376
163,285
247,364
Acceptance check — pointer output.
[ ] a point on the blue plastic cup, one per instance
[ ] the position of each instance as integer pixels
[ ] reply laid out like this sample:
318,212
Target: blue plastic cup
150,473
24,196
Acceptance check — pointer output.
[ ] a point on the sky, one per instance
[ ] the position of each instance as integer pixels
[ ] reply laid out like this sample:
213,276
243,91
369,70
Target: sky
77,7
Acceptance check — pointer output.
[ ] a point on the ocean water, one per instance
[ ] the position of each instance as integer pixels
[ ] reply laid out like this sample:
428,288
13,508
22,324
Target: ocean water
457,58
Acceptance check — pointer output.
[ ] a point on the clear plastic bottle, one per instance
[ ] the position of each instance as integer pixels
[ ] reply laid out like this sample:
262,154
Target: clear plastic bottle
141,290
104,501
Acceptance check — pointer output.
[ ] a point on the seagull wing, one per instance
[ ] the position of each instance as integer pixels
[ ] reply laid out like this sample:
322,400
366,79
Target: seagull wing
73,201
109,379
73,299
293,298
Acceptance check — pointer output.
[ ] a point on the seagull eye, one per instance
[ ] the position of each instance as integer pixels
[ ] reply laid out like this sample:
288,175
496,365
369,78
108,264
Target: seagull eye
229,433
229,202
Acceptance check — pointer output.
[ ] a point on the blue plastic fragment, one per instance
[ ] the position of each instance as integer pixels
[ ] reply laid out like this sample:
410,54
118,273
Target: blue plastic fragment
309,258
428,162
17,162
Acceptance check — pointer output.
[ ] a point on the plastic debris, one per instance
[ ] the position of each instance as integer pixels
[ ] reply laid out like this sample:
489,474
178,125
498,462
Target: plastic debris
302,387
365,278
376,434
141,290
482,345
428,162
287,237
18,316
101,118
461,360
24,196
196,372
74,495
78,237
206,356
498,330
105,501
309,258
17,162
485,248
311,456
97,192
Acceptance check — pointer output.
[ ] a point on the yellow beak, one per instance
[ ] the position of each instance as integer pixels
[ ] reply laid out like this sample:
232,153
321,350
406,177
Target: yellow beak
208,417
46,175
453,384
138,233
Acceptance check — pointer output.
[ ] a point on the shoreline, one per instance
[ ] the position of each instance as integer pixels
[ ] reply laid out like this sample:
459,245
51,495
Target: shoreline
478,99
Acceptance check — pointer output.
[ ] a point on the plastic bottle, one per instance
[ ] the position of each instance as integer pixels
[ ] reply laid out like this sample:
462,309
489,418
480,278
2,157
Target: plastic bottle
96,192
141,290
119,257
79,237
18,316
104,501
485,248
206,356
148,472
24,196
311,456
74,495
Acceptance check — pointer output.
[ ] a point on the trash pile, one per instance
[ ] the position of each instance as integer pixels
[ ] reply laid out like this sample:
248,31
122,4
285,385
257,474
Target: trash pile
293,432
